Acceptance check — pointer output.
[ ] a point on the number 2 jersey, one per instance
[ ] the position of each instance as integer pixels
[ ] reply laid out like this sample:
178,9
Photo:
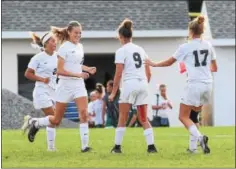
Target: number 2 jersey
45,67
197,56
132,56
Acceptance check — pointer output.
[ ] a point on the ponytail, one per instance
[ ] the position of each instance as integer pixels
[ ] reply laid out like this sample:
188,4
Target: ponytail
61,34
36,42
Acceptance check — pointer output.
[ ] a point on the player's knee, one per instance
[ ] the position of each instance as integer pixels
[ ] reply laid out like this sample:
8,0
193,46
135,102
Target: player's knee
56,122
143,120
122,121
181,118
83,115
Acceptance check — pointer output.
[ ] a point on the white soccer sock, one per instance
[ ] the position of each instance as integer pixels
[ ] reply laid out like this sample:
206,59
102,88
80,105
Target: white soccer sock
193,142
41,122
194,131
120,131
148,133
51,135
84,135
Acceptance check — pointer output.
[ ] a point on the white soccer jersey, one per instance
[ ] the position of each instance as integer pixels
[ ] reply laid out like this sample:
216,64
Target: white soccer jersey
97,108
132,56
73,54
197,56
163,112
44,66
91,109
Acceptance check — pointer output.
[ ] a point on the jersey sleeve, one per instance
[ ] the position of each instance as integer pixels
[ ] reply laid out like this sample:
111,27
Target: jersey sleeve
120,57
62,52
180,53
34,62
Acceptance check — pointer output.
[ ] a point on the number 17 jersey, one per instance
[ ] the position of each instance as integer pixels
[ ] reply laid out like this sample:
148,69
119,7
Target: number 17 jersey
132,56
197,56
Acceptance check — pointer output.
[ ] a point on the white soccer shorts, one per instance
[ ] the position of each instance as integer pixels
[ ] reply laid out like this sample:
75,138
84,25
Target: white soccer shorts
134,91
43,97
197,94
70,89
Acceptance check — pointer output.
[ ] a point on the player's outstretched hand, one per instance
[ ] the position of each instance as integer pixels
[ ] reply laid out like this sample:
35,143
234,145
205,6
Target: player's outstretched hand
149,62
83,75
92,70
46,80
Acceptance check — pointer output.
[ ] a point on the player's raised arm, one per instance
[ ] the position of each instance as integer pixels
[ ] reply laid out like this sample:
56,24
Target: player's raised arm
164,63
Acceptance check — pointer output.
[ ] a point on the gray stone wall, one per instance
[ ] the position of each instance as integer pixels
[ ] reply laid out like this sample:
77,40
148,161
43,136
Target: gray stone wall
15,107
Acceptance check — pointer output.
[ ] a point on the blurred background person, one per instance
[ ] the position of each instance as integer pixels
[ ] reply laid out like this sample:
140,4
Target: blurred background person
97,106
110,109
133,118
163,106
91,113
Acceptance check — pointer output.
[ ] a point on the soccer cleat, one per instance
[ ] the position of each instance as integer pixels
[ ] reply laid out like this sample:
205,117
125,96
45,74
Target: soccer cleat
116,149
32,131
87,149
204,144
192,151
151,149
26,124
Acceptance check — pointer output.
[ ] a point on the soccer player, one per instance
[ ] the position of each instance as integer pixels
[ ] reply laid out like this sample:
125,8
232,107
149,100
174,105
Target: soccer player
71,84
42,70
200,60
194,115
135,77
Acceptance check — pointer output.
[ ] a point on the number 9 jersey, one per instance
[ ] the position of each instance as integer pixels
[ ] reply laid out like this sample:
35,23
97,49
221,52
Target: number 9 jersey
197,56
132,56
134,81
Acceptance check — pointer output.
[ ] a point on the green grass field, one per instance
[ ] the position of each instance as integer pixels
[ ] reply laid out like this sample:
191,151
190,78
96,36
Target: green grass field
171,143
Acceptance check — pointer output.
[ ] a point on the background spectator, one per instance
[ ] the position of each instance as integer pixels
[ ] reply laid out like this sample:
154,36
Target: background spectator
133,118
91,113
97,106
110,109
163,106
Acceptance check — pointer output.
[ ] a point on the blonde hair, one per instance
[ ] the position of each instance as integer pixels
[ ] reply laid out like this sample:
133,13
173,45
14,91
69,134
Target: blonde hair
196,26
61,34
37,41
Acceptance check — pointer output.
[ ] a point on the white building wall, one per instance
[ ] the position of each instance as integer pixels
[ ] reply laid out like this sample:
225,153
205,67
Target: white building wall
224,87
